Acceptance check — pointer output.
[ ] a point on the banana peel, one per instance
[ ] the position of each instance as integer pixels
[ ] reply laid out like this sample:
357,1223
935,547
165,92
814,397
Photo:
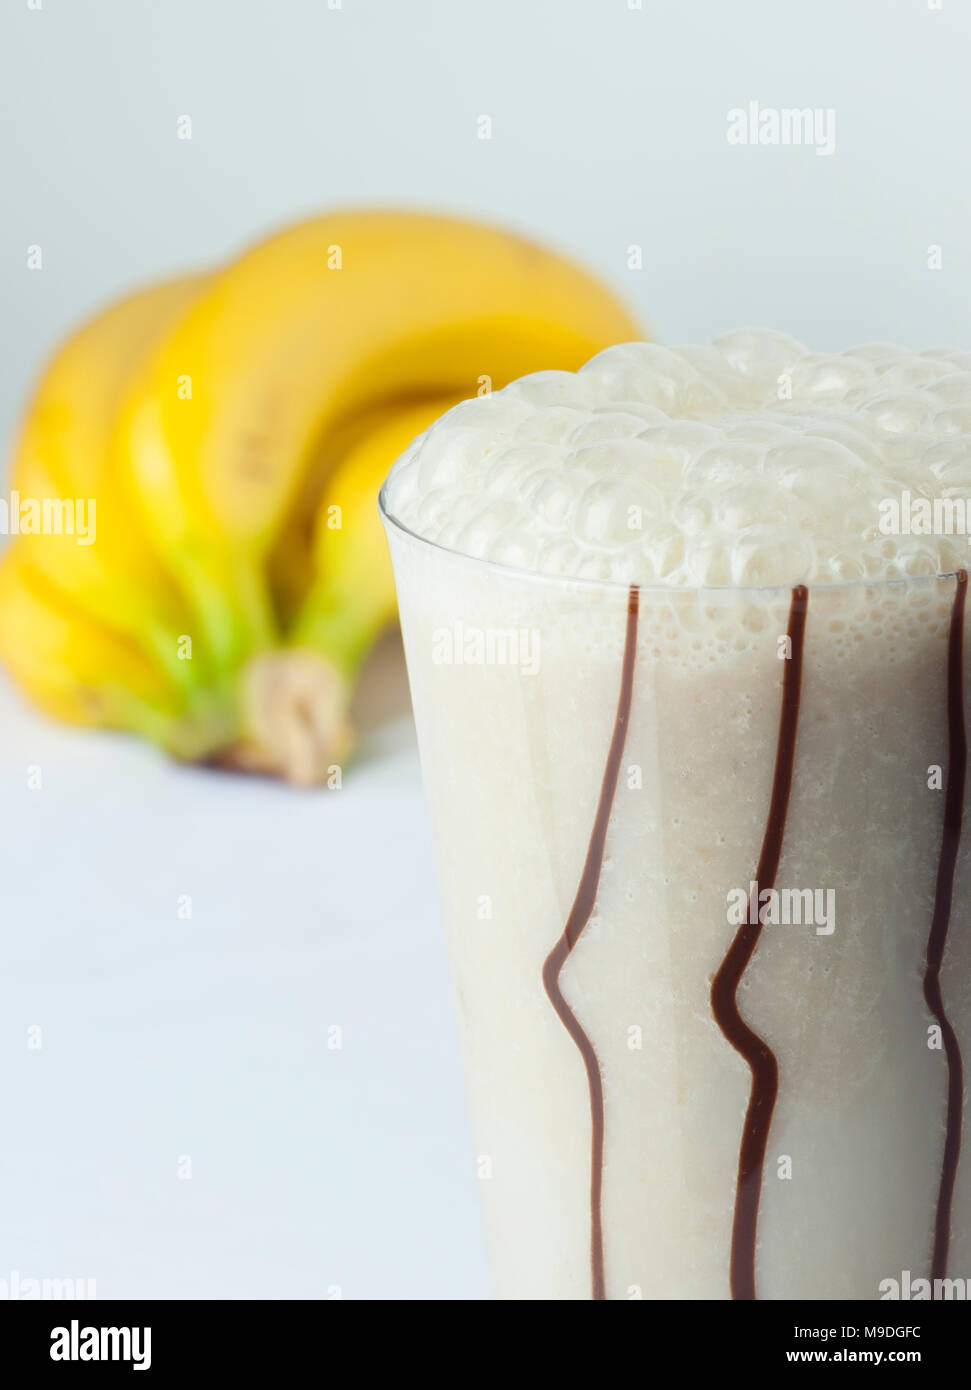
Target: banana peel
296,700
233,430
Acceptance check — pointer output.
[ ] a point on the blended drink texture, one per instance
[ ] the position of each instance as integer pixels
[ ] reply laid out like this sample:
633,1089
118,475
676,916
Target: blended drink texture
687,662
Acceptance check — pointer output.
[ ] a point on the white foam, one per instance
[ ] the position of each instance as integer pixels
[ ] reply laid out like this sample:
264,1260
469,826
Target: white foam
749,462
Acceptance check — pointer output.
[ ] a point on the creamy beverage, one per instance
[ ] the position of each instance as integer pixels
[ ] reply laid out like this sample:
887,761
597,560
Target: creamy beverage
685,635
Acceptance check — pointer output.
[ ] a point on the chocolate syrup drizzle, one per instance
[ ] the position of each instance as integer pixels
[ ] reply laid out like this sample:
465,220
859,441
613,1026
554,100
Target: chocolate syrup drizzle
760,1057
756,1052
957,757
579,917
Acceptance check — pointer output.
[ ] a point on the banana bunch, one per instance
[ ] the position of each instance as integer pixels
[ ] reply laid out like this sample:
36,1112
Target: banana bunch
224,436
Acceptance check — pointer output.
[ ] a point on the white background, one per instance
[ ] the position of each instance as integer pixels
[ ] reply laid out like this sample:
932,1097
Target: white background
314,1167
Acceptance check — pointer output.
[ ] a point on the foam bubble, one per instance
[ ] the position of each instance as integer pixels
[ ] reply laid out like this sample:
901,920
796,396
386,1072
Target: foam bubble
751,461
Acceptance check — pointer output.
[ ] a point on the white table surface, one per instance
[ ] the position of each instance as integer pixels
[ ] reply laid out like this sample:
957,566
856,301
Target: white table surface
312,1169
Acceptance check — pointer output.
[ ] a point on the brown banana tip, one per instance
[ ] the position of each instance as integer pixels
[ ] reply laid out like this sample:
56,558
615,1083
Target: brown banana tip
294,716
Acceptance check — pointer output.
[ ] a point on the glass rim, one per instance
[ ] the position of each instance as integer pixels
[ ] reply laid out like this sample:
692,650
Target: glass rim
656,587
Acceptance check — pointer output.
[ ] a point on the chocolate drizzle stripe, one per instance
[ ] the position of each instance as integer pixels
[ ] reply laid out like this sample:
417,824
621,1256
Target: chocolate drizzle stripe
579,917
957,757
760,1057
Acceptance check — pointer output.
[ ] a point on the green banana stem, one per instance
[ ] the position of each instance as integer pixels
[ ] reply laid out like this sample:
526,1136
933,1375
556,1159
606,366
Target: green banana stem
341,626
229,597
227,622
189,735
185,667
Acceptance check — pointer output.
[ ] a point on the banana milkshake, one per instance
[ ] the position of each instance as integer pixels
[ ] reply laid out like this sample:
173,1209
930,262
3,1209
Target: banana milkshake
685,635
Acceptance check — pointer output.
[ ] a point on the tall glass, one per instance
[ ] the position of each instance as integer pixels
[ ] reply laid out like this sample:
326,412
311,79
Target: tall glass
705,908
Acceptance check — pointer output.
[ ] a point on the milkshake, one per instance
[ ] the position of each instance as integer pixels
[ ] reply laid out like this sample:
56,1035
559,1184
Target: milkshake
685,636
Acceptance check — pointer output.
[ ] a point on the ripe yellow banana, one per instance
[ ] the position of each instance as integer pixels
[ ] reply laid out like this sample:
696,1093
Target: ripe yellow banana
81,671
303,335
62,459
297,699
233,430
